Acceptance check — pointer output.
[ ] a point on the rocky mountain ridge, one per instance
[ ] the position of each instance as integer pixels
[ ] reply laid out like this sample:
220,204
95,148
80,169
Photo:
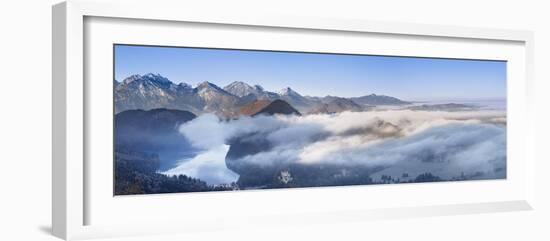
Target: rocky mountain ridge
153,91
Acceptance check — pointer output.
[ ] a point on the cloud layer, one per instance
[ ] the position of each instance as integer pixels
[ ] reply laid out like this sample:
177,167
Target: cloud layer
447,144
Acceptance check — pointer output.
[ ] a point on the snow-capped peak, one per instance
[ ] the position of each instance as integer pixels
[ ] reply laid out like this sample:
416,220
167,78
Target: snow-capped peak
238,85
203,84
131,78
157,78
241,89
208,86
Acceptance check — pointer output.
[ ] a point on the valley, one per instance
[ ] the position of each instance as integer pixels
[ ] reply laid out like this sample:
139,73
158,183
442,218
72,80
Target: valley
179,138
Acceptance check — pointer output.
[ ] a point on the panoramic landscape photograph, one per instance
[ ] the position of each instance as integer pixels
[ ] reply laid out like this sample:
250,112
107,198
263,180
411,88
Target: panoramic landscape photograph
203,119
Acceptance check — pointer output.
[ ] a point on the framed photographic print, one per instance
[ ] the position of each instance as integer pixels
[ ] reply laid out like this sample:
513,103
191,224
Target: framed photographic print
206,122
316,127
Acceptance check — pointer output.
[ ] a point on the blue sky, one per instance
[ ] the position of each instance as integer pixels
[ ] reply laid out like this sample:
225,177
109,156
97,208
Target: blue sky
320,74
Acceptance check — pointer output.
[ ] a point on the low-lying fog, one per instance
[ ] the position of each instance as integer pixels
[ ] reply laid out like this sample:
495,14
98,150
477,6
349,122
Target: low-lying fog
446,144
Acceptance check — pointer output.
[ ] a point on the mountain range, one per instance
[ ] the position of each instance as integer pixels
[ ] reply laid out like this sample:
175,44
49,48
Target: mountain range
153,91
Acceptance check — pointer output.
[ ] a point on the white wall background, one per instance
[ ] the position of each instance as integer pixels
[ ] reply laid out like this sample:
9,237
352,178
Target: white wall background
25,122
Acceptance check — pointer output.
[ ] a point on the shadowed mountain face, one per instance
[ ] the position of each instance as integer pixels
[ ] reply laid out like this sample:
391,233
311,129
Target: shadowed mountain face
378,100
155,132
266,107
336,105
254,107
278,107
152,91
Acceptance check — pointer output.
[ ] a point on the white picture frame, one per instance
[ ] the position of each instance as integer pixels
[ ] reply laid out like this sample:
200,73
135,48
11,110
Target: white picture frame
73,112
